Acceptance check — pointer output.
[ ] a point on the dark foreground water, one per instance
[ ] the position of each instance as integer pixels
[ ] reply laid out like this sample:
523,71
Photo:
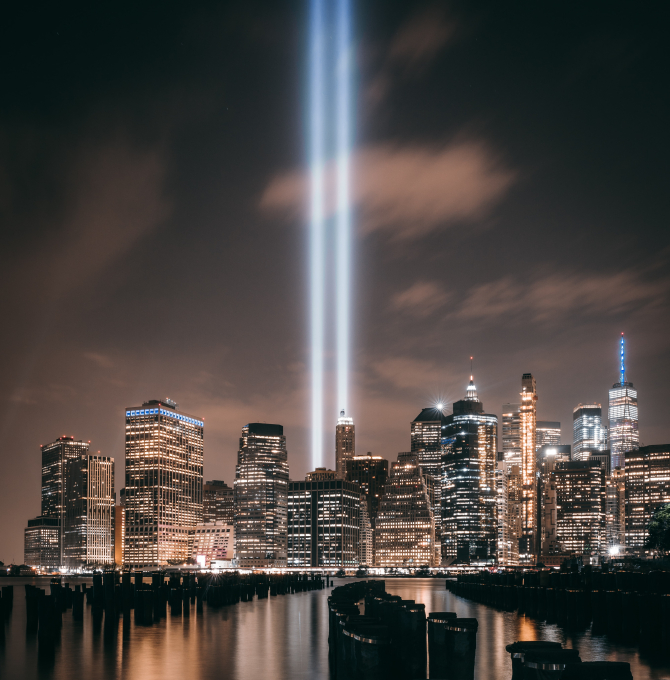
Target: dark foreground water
280,638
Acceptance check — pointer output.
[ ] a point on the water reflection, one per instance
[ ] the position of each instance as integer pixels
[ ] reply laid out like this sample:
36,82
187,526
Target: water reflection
283,637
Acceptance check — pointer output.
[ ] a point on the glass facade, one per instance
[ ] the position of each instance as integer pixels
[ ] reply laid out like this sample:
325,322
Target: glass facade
345,443
261,497
580,507
41,547
405,529
468,497
323,523
547,433
88,534
54,481
647,475
163,497
589,434
217,502
511,434
623,422
528,543
426,443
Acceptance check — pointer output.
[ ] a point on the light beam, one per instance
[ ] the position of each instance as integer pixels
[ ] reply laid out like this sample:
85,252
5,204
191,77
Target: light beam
316,146
343,219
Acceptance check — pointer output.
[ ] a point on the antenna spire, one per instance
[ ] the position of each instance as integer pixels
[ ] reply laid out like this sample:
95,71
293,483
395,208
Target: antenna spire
622,362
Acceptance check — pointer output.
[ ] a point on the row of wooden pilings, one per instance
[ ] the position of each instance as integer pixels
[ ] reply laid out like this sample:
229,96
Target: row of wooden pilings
150,595
627,606
388,640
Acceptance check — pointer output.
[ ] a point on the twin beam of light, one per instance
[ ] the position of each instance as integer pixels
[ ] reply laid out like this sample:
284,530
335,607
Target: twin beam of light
317,221
317,135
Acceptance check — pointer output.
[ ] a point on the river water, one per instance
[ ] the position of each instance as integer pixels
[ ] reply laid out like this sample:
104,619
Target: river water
279,638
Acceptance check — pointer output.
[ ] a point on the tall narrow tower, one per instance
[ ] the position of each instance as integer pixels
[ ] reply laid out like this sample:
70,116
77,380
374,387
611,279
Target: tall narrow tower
624,435
528,424
345,444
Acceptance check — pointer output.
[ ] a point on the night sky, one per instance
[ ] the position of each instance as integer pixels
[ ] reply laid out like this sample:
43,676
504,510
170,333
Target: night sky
512,203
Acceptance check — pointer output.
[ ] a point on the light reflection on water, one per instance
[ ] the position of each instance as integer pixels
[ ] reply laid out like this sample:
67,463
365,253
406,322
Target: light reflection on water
279,638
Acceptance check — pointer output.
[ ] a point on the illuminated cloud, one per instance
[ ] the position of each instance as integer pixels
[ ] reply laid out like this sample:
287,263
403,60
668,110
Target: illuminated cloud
419,41
420,299
408,191
547,298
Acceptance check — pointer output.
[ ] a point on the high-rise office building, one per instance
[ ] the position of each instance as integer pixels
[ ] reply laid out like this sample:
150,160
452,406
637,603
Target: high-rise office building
511,434
528,423
54,482
470,445
217,502
366,551
164,462
323,523
647,474
589,434
405,529
426,443
508,508
120,529
548,458
615,510
370,473
547,433
580,507
345,443
41,547
261,496
426,440
623,431
88,534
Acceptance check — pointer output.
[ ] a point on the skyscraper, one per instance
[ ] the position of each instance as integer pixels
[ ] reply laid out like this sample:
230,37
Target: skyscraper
164,460
647,474
580,507
528,422
508,508
217,502
470,444
548,458
345,443
511,434
323,523
548,433
623,435
54,481
41,547
405,529
370,473
615,510
88,534
120,529
426,443
261,496
426,438
589,434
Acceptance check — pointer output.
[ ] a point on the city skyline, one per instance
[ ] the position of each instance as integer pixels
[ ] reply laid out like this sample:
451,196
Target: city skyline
443,407
152,181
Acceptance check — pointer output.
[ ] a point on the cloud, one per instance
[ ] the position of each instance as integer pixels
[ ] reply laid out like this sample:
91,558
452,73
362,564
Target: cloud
407,191
419,41
555,296
420,299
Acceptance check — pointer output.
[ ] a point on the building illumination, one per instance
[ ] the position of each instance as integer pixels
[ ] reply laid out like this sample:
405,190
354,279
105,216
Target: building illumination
623,417
163,493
